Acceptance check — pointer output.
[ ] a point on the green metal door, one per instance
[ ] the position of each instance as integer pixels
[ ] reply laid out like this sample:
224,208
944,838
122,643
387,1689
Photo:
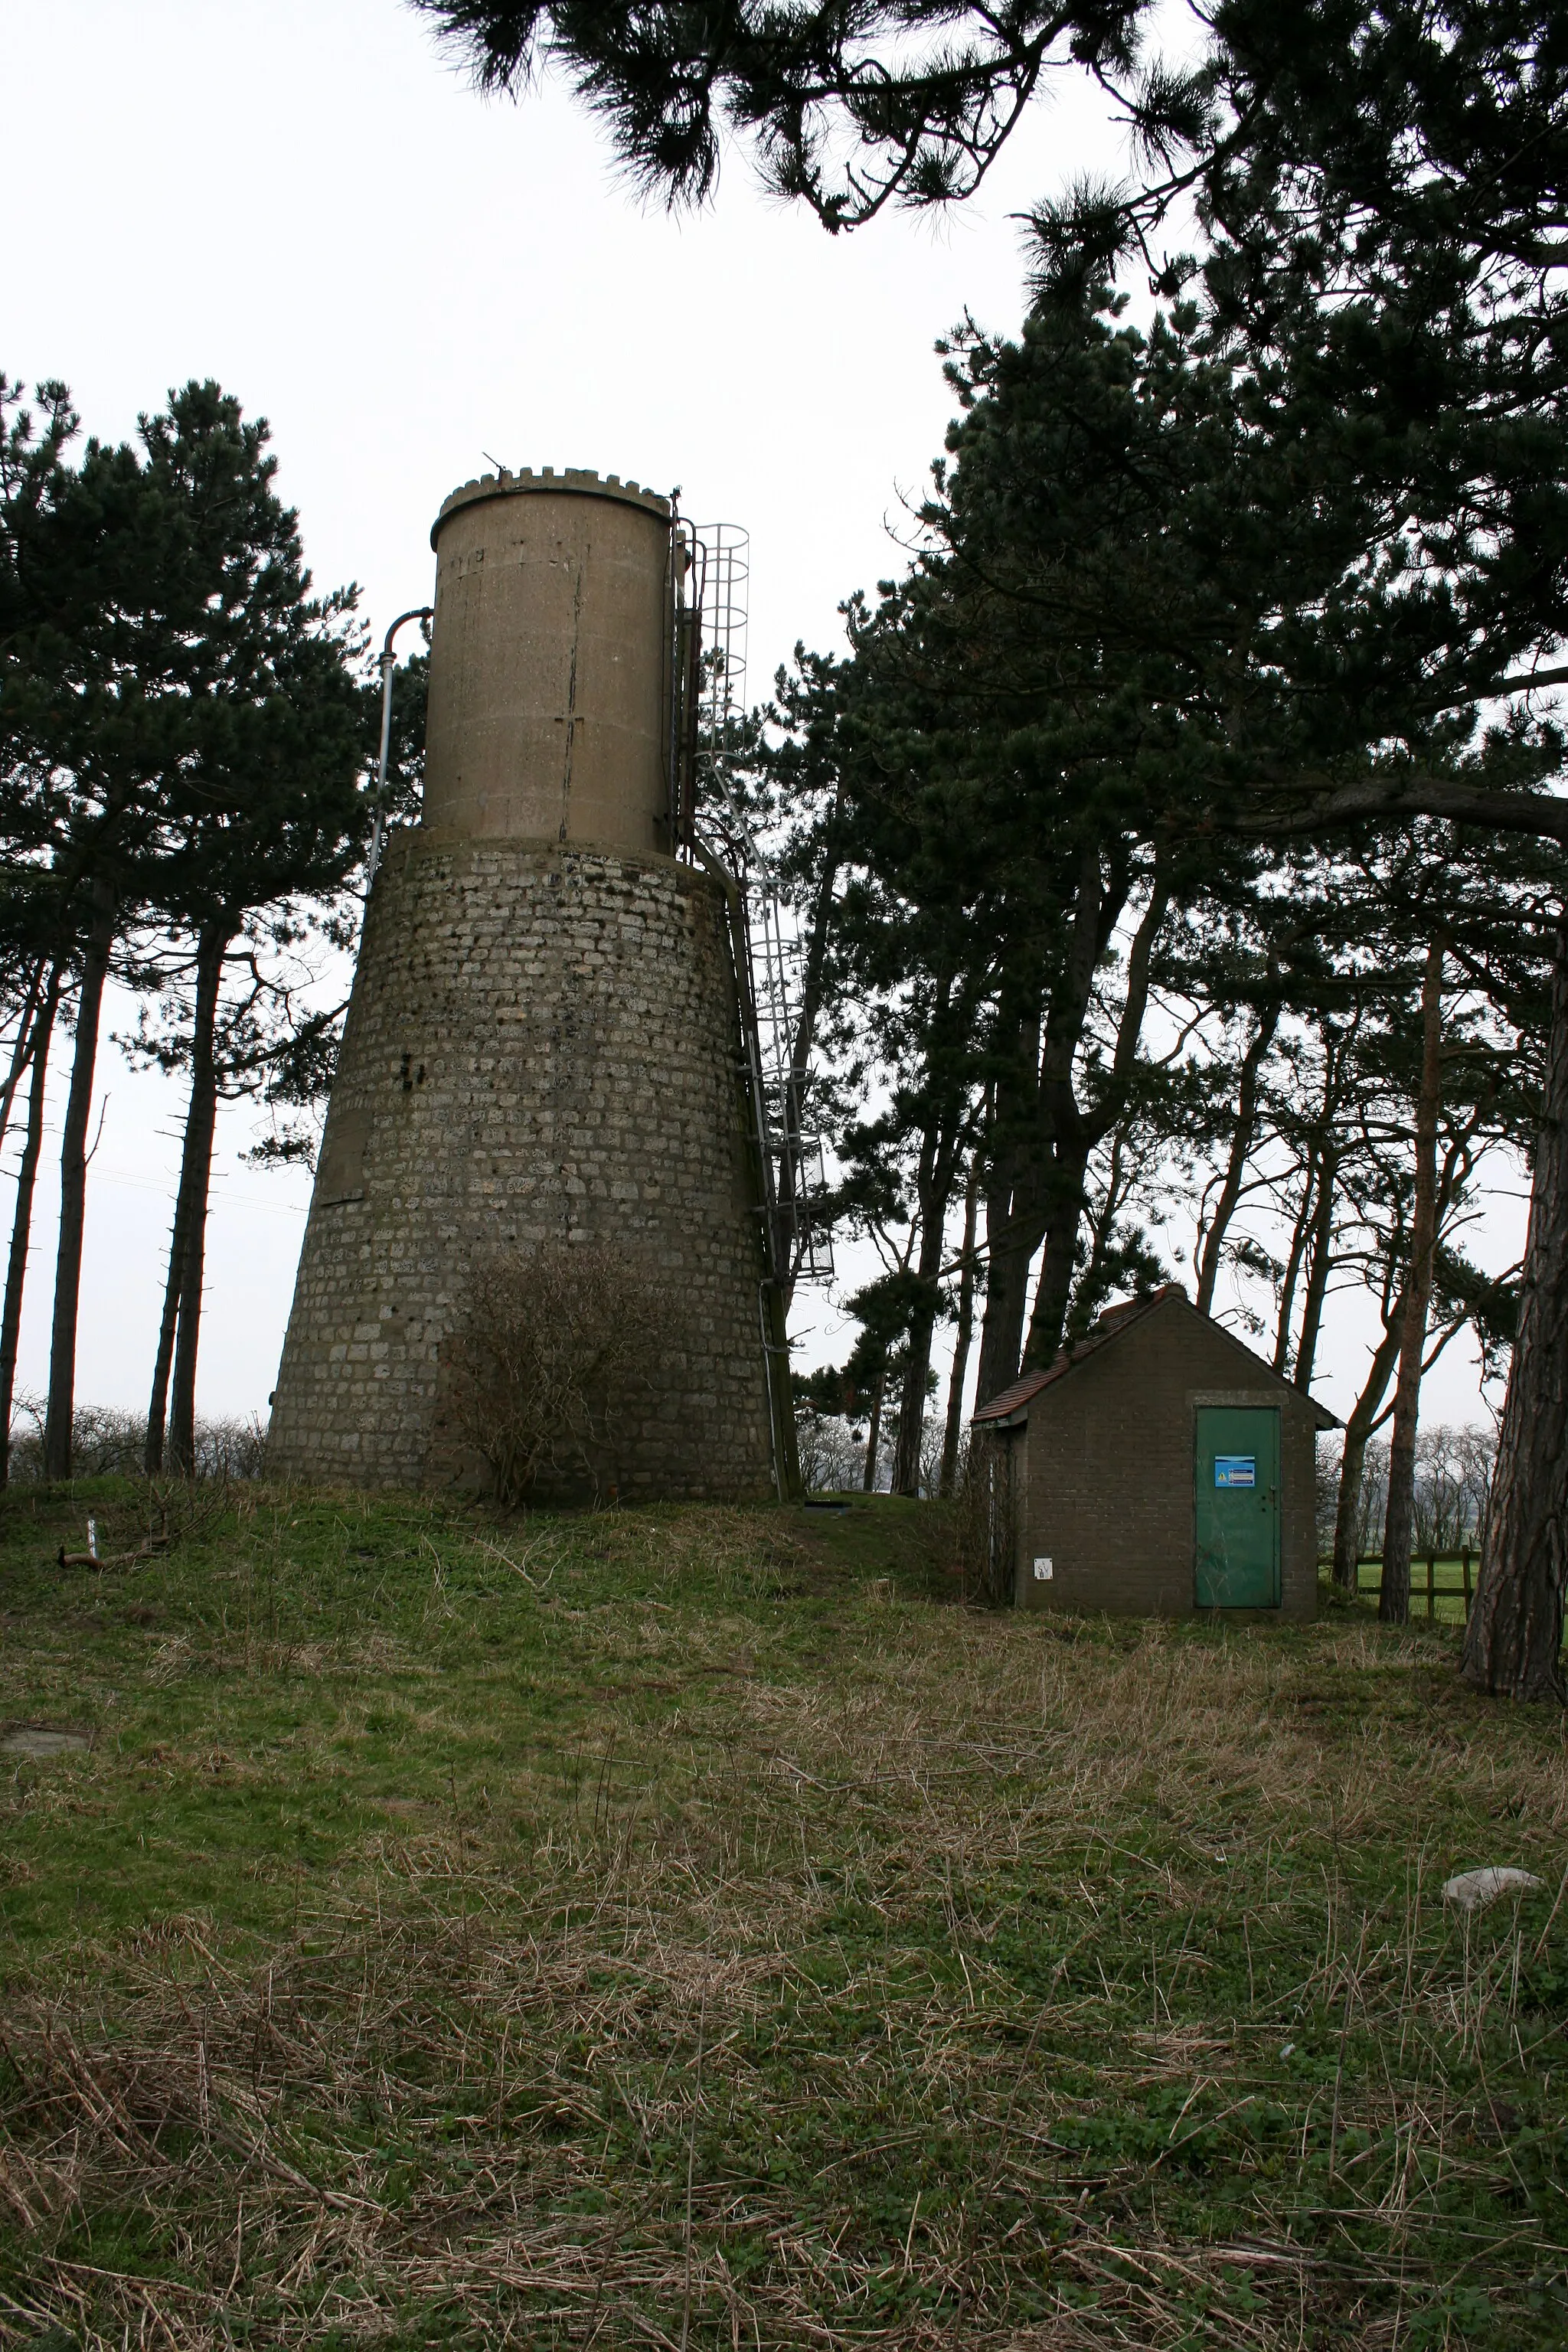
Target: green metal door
1238,1507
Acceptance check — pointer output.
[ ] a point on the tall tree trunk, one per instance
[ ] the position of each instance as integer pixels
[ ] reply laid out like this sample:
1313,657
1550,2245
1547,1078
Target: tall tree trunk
912,1399
1366,1412
953,1431
1241,1138
1054,1288
162,1362
1297,1251
814,982
874,1432
1075,1134
1013,1227
1101,1234
22,1219
1513,1643
1353,1461
27,1039
182,1402
1015,1219
191,1194
61,1408
939,1159
1032,1202
907,1441
203,1107
1320,1266
1398,1525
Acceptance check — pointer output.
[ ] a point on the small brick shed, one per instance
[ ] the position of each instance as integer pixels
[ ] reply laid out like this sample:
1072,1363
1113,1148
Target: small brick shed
1156,1469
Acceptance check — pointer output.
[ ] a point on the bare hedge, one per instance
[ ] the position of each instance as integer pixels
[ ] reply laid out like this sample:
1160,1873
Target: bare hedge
552,1342
108,1442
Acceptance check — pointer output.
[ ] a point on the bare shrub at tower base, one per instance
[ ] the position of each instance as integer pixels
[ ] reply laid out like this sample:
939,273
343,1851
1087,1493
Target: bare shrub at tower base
550,1339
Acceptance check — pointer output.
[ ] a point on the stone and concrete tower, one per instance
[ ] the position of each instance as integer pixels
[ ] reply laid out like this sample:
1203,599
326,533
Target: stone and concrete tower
543,1038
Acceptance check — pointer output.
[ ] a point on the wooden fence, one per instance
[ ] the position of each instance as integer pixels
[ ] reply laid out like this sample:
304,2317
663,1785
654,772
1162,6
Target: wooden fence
1461,1587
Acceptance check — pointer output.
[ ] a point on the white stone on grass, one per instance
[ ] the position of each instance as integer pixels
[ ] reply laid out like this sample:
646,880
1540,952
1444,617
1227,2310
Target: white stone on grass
40,1739
1474,1889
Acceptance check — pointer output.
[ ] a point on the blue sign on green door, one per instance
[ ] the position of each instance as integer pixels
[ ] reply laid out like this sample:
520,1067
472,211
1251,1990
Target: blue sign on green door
1238,1507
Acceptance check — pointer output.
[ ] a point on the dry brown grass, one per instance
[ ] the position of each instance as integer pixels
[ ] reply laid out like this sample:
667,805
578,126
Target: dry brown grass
858,1969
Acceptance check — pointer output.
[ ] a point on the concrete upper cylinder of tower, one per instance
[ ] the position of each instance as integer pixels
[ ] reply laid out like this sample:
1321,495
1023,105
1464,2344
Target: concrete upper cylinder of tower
549,697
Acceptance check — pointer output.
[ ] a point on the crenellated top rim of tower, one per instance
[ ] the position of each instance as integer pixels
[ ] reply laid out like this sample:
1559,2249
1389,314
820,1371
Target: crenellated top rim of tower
577,480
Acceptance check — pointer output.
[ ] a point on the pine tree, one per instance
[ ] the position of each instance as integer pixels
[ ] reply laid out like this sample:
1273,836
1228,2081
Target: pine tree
267,811
176,709
905,102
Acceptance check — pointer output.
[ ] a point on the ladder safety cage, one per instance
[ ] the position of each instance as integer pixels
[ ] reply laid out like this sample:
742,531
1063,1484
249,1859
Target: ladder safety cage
709,578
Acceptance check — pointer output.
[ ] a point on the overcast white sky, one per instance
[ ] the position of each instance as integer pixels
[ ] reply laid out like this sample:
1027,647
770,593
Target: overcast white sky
301,198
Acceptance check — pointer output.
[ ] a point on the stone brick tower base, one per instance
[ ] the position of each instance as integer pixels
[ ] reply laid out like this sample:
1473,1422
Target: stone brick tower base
542,1042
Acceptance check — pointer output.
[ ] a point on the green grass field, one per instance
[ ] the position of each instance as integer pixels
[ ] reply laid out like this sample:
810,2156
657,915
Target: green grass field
697,1928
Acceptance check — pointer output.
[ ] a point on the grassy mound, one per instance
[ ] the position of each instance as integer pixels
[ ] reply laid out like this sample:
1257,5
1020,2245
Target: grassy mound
697,1928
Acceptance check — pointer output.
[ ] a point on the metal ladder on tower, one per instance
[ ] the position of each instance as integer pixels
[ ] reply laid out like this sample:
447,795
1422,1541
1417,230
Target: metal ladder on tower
713,568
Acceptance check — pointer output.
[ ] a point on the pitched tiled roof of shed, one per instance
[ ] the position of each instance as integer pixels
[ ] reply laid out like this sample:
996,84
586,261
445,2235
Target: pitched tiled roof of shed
1111,1326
